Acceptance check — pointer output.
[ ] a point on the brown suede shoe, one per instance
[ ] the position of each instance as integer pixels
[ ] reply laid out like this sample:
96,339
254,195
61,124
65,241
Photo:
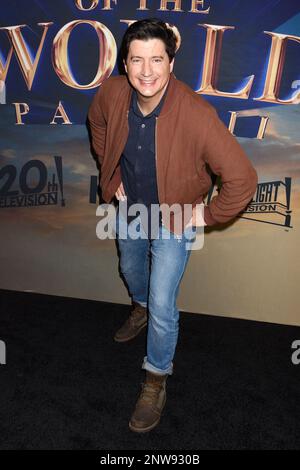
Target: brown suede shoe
150,403
136,321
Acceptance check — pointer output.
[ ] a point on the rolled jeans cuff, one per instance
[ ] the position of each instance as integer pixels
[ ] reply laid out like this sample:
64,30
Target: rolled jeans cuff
147,366
143,304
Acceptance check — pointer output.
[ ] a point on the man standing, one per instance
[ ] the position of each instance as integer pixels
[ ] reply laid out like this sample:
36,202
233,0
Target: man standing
153,136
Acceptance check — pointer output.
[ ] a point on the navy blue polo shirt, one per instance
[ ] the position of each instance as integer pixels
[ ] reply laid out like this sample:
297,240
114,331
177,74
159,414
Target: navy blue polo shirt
138,166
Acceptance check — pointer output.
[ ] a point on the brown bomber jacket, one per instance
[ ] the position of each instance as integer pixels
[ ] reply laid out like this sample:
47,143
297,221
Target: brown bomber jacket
189,134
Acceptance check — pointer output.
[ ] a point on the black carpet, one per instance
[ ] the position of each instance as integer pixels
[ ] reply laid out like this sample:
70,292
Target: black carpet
67,385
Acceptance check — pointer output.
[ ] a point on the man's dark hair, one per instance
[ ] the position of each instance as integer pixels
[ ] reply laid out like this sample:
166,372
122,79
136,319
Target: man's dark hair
149,28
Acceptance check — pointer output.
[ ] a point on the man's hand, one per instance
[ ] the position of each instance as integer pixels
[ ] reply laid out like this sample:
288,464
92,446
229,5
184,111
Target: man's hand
120,193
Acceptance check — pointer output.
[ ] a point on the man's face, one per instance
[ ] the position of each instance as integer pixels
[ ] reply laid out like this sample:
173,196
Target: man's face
148,68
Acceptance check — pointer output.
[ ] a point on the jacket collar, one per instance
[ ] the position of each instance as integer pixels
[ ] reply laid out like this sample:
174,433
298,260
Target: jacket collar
171,96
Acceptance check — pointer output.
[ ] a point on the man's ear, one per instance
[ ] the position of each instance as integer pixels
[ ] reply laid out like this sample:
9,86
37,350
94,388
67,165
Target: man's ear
125,66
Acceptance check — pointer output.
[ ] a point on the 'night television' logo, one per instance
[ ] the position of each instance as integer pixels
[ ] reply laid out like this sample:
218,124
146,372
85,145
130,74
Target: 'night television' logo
270,204
36,186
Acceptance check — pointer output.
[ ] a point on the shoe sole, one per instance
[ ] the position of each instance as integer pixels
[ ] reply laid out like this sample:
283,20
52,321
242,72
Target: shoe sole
128,338
143,430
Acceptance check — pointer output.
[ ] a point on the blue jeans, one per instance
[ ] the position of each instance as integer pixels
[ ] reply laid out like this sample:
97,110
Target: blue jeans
153,270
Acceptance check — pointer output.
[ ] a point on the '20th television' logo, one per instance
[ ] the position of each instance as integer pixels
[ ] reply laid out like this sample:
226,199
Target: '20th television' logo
41,192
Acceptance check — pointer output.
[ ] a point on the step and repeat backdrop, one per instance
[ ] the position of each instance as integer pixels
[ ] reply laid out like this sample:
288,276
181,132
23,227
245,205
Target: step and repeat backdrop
243,57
